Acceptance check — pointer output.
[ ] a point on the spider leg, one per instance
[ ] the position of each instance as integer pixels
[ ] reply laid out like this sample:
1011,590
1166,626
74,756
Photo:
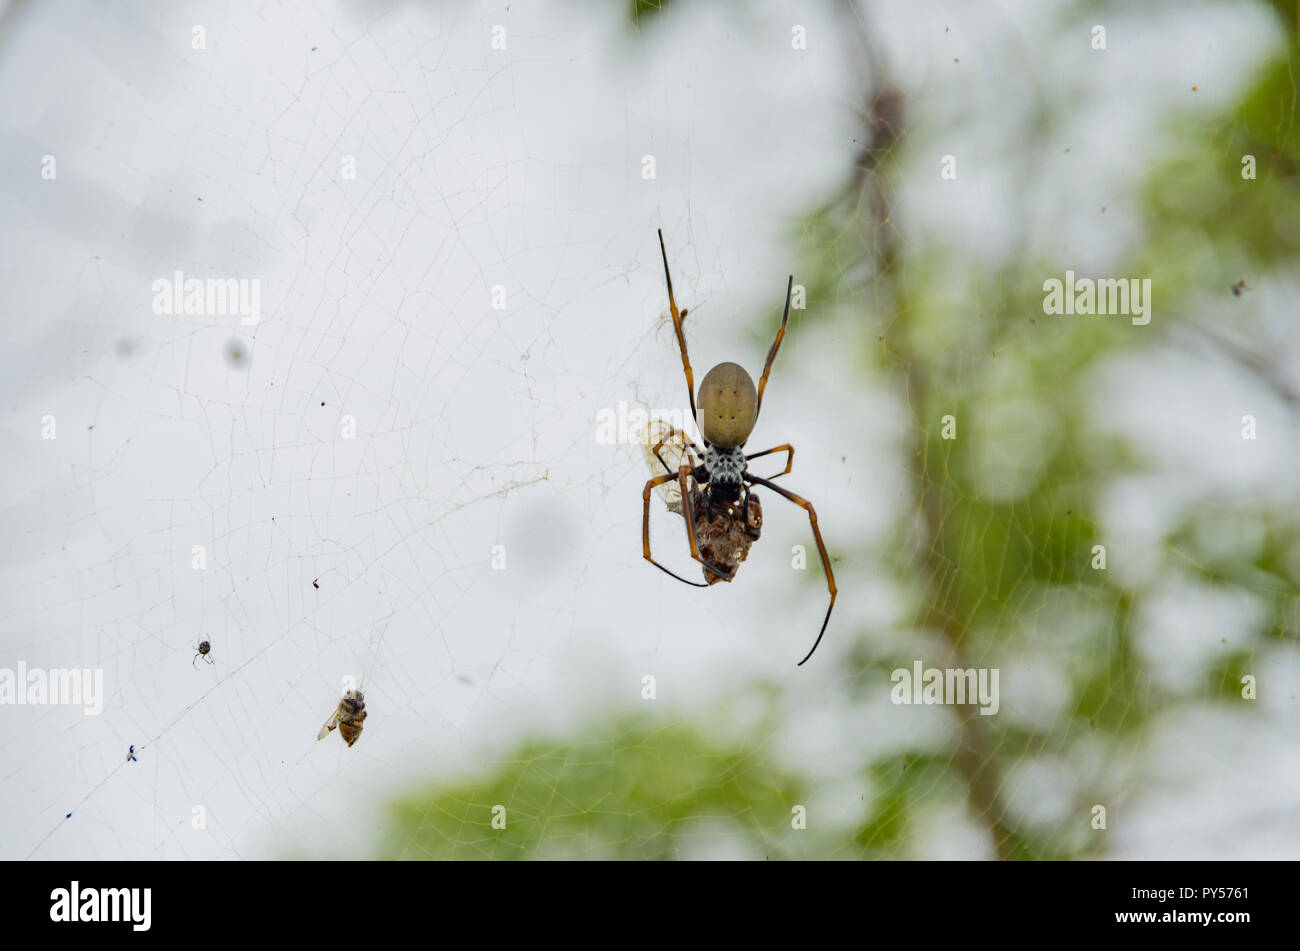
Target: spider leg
686,441
776,345
688,510
677,327
645,524
789,459
821,550
194,662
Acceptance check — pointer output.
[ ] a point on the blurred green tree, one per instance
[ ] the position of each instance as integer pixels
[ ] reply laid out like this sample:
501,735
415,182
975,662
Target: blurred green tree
977,567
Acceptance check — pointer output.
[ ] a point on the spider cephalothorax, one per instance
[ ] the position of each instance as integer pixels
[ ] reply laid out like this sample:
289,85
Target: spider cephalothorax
724,472
723,517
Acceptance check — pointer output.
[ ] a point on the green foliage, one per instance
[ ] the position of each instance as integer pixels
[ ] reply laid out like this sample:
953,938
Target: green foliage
631,791
643,11
905,782
1209,225
995,530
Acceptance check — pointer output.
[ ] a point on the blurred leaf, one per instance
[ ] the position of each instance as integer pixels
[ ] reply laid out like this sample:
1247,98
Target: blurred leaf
645,10
633,791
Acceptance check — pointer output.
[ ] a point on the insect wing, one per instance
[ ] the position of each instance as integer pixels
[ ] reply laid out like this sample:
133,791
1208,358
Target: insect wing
330,724
667,458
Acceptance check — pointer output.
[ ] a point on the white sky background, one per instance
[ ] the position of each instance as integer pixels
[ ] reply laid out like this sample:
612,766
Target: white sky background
476,427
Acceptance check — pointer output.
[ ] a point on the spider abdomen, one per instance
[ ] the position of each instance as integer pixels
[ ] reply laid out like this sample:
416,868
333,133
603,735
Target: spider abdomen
728,405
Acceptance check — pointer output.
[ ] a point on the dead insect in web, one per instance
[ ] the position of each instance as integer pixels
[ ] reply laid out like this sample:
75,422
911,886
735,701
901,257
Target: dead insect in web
666,448
204,649
1238,288
723,517
348,717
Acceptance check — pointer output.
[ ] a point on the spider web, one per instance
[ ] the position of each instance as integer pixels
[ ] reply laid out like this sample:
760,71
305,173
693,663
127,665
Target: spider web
486,290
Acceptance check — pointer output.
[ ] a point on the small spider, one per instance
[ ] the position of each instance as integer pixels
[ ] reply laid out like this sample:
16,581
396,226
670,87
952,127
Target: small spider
1238,288
130,758
723,517
203,650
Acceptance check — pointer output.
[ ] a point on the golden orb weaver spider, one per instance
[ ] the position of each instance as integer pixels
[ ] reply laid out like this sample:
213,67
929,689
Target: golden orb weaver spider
723,518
